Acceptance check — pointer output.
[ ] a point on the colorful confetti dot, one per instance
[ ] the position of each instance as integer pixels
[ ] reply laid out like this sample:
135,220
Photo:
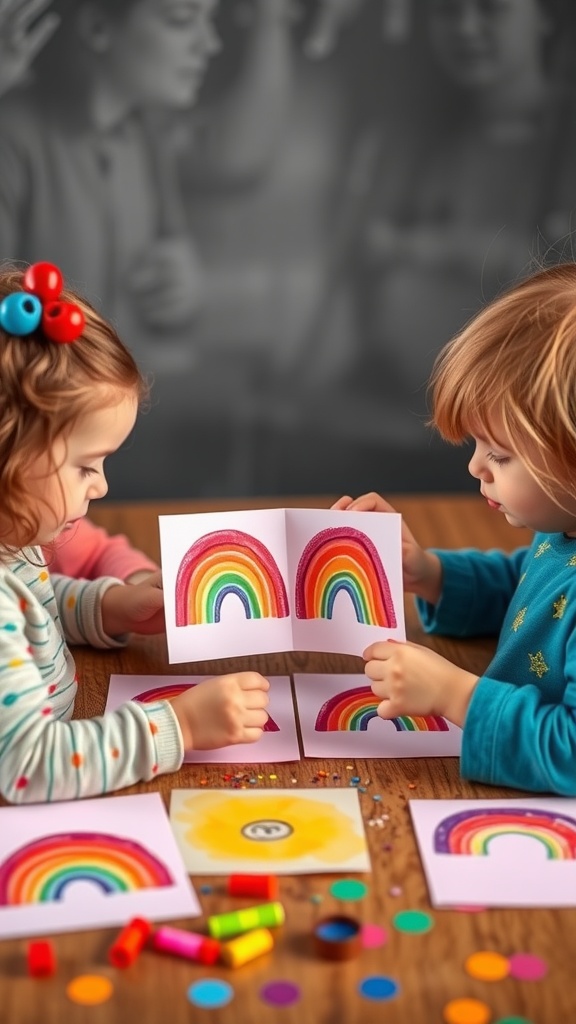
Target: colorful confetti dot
89,989
415,921
348,889
513,1020
210,993
280,993
527,967
487,966
378,987
373,936
466,1011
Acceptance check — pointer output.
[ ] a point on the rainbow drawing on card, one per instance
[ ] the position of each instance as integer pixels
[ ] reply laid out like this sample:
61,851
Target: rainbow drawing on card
223,563
472,831
41,871
173,689
351,710
343,559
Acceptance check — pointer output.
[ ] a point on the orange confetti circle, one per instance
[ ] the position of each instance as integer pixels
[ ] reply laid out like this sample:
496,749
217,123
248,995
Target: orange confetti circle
487,966
466,1011
89,989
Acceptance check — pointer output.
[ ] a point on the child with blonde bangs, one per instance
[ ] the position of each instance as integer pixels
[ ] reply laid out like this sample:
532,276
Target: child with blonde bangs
508,382
69,395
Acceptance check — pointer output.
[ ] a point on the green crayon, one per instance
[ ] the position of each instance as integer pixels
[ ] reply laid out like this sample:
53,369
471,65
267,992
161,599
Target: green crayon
267,915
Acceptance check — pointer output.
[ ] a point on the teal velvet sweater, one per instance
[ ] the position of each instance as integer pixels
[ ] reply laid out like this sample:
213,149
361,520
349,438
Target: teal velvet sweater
520,728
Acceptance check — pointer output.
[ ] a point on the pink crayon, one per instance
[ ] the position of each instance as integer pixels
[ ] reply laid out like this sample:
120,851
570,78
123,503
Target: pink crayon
190,945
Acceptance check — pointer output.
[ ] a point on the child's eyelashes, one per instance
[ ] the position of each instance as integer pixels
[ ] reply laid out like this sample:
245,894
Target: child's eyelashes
500,460
86,471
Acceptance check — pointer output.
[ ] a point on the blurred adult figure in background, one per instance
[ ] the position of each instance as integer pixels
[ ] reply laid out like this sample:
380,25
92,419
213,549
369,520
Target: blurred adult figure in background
91,154
472,183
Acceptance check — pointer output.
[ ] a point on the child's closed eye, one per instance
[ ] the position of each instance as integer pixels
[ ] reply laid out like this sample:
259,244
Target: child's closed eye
500,460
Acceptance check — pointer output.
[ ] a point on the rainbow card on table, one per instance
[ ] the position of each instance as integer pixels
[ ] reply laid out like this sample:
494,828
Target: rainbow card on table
269,580
338,718
498,853
90,864
278,742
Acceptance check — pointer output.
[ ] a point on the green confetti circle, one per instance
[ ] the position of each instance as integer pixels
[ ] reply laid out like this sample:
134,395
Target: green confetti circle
513,1020
415,921
348,889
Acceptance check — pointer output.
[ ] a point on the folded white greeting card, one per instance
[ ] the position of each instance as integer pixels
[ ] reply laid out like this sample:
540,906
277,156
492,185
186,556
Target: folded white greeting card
249,582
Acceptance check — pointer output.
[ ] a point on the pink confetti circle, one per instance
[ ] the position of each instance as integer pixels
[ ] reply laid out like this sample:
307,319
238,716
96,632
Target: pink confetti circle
373,936
527,967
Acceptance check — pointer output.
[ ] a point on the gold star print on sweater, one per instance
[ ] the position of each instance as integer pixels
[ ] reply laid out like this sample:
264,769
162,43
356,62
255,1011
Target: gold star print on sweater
537,664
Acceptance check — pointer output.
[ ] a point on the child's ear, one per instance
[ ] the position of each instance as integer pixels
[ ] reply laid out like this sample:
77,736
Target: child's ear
93,27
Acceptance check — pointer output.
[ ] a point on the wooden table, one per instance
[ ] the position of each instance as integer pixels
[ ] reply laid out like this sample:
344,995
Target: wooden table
429,968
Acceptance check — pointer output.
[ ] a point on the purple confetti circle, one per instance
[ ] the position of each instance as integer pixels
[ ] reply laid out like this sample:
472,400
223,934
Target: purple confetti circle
280,993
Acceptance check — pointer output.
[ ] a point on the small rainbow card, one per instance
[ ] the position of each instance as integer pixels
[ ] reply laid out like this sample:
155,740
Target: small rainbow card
269,580
498,853
279,741
81,864
338,718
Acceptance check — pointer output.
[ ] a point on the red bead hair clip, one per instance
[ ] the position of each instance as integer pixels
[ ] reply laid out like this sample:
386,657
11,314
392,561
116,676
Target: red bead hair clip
39,305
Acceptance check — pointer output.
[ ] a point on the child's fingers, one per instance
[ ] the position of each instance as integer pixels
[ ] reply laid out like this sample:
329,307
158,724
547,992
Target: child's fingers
384,710
252,681
256,719
251,735
256,699
343,503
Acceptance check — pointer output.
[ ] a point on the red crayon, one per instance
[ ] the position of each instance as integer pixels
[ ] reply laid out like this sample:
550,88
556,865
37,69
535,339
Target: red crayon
127,946
253,885
41,959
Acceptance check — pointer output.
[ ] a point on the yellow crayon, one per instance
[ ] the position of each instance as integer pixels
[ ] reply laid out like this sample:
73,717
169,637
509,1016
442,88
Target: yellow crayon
267,915
246,947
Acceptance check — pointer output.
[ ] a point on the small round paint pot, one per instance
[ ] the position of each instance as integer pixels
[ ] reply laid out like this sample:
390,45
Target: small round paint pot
338,938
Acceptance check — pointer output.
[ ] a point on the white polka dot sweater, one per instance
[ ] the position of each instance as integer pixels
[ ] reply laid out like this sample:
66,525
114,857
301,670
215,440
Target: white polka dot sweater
44,754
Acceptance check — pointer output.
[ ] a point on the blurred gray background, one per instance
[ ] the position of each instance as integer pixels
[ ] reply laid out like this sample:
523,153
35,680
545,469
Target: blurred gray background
287,209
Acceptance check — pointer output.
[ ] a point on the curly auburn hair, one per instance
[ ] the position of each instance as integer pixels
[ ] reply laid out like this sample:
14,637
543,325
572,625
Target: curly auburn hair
45,388
515,362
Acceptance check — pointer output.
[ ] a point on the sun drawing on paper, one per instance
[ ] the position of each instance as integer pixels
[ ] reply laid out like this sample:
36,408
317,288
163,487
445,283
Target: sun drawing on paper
224,564
271,828
42,870
343,559
351,710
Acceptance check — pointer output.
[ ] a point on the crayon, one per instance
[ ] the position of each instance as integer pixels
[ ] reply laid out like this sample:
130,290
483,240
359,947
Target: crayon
124,951
246,947
253,885
190,945
267,915
41,959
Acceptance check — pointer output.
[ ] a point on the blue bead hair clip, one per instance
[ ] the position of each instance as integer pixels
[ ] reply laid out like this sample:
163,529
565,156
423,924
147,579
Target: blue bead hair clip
39,305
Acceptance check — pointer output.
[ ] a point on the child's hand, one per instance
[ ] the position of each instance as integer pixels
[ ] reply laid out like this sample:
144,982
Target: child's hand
421,569
19,43
413,680
220,712
135,608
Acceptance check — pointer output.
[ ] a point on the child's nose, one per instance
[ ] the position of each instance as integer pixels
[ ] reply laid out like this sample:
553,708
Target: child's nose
99,488
478,468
